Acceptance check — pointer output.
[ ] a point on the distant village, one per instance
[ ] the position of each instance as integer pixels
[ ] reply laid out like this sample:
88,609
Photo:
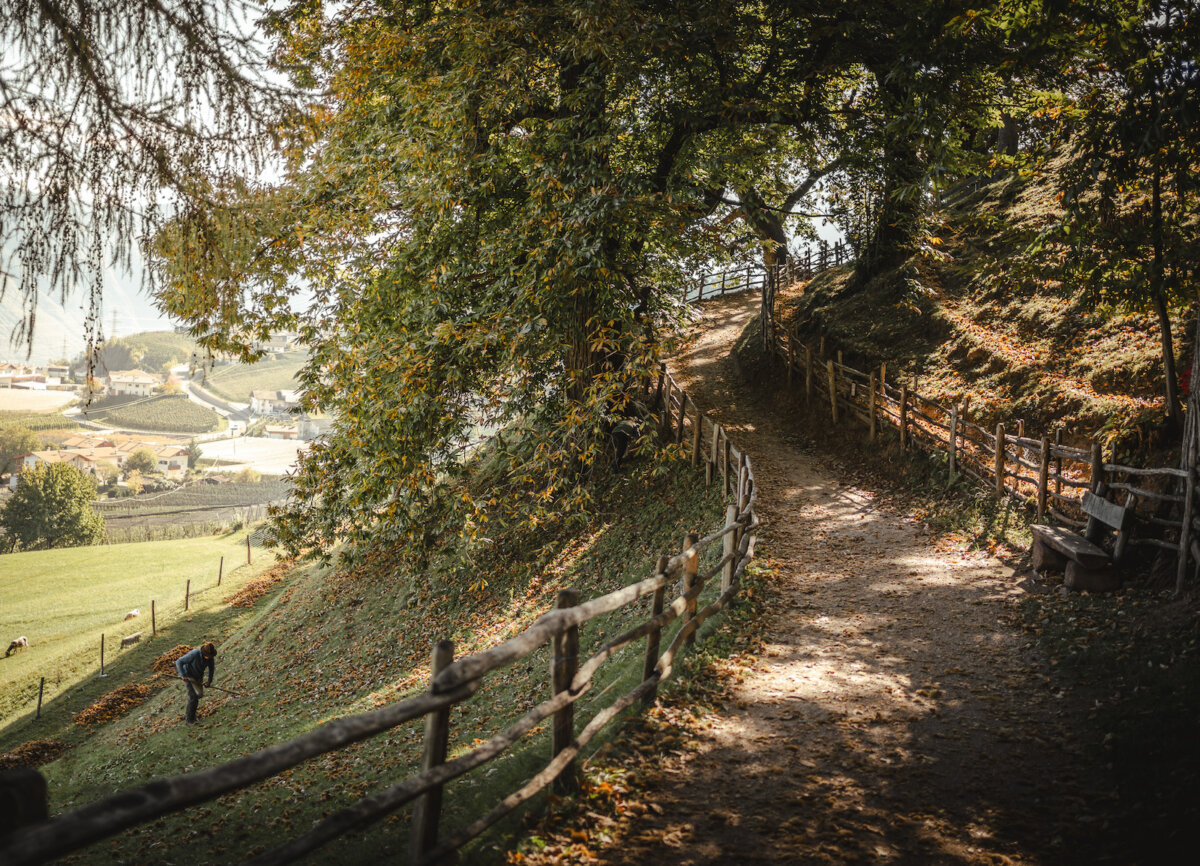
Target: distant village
272,414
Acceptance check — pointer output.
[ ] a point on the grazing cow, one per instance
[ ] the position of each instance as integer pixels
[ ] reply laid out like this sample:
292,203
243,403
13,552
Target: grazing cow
133,613
130,640
20,643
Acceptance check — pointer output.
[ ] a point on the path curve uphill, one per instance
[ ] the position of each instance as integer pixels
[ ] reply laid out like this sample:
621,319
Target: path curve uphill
893,716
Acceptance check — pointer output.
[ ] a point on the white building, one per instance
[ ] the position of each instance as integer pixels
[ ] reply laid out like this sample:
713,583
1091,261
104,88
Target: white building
135,383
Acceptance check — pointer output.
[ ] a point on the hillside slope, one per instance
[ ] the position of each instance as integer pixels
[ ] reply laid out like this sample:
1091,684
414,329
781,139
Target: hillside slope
985,318
326,643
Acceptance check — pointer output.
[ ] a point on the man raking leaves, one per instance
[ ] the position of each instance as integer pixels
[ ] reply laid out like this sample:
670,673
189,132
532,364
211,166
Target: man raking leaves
191,666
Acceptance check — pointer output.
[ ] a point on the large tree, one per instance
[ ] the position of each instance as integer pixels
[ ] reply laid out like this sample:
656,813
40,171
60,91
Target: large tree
15,441
1130,191
492,212
51,507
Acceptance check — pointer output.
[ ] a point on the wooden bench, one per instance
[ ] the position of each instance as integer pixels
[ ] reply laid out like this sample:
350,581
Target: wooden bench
1086,564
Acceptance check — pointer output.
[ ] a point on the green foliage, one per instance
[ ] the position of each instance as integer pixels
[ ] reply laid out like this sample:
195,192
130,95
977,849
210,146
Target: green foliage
141,461
15,441
494,242
51,507
194,453
150,350
1129,192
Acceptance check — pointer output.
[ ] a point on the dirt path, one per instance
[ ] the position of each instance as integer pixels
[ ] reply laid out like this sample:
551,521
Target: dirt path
894,716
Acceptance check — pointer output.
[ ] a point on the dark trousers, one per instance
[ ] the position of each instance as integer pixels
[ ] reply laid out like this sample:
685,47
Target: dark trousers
193,700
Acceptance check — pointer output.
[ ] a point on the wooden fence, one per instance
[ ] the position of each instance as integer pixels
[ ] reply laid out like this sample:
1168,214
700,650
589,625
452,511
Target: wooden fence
455,681
743,278
1041,472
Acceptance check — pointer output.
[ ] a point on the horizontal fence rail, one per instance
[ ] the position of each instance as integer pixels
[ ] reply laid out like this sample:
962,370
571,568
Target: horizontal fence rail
1040,472
748,277
454,682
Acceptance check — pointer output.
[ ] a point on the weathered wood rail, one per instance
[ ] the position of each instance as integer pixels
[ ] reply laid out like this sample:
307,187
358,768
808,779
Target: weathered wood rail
748,277
1042,473
456,681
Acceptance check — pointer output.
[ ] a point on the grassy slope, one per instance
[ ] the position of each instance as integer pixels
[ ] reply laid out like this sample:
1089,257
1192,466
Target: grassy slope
992,323
329,643
62,600
272,373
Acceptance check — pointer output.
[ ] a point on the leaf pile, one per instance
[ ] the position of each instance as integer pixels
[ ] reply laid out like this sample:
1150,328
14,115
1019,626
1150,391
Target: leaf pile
114,704
32,754
260,586
165,663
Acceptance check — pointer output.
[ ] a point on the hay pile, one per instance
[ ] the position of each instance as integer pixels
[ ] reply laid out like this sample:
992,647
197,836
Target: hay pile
32,754
164,665
114,704
260,586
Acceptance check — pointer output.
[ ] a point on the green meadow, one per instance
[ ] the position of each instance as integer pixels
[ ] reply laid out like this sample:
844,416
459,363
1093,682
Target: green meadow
63,600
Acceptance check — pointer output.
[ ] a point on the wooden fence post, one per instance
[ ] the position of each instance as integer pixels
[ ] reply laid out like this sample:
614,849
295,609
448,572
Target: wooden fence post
821,348
1185,532
41,689
428,807
725,468
903,417
102,673
247,550
1000,461
563,665
696,436
153,621
691,567
953,440
187,596
730,545
658,389
220,570
871,407
711,466
664,420
652,639
832,373
1097,467
1058,462
743,483
1043,478
683,401
808,374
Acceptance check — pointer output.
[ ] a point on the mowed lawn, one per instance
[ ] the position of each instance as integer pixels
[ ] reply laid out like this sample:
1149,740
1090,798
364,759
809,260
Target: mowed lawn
63,600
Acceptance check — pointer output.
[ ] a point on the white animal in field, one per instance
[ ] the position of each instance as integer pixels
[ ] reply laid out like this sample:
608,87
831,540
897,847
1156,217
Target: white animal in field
130,640
133,613
20,643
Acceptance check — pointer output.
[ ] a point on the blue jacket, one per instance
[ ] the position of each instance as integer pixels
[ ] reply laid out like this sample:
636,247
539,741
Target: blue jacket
192,665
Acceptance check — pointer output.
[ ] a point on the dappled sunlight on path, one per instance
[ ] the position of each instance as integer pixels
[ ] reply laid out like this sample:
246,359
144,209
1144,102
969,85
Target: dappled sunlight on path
893,715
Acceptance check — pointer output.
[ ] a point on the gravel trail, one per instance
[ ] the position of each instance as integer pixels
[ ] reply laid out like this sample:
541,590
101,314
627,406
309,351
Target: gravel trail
896,714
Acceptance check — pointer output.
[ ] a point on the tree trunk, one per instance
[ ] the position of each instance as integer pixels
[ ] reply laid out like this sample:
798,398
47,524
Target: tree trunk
1158,278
